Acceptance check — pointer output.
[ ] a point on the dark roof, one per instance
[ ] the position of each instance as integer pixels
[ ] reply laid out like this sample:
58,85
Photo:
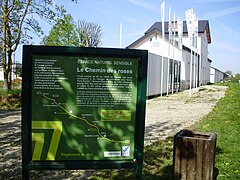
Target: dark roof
142,38
202,25
157,27
218,70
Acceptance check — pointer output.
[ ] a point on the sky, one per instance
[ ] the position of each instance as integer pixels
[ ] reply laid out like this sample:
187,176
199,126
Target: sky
137,16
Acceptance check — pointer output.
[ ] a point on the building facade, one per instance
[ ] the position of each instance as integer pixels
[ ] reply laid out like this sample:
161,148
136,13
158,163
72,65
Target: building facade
190,65
216,75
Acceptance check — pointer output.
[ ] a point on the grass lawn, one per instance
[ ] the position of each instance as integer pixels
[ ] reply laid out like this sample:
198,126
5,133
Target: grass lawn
224,120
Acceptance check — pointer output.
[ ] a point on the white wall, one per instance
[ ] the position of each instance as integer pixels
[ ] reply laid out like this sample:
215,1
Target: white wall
216,75
156,45
1,74
206,65
13,74
212,75
202,50
189,69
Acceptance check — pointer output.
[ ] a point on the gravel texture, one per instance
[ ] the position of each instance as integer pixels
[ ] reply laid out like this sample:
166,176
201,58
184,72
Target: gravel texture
164,117
168,114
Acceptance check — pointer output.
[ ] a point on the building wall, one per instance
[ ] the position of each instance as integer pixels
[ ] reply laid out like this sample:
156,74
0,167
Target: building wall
206,65
1,74
195,67
216,75
156,45
154,74
190,68
203,62
13,70
162,82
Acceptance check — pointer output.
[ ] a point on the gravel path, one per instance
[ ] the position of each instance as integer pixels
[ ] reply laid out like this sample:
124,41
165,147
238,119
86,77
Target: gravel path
167,115
164,117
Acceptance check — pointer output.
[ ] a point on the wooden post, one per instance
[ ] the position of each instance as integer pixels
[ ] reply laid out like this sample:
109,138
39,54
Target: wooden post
194,155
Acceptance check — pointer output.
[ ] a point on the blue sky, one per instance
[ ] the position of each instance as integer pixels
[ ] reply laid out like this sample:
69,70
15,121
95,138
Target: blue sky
137,16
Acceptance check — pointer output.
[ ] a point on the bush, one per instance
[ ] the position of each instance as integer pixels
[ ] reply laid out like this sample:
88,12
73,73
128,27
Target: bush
16,84
236,78
10,99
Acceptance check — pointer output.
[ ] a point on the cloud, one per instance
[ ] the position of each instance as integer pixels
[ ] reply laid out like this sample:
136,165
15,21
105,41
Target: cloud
99,6
130,19
234,33
224,12
145,5
134,34
215,1
133,21
226,47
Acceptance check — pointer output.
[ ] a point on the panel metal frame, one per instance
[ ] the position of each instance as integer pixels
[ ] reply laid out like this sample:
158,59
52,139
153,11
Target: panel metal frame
31,50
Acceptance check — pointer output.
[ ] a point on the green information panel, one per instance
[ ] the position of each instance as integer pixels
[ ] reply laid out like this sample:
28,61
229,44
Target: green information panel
83,108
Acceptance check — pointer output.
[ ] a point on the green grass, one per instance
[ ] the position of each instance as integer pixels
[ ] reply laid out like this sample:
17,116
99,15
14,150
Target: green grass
157,164
10,99
224,120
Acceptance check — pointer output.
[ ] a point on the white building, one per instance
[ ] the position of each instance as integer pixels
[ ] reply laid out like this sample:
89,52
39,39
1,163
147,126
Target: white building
13,75
216,75
199,70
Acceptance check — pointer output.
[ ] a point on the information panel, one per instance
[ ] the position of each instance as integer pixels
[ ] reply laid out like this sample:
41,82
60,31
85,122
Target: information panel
83,107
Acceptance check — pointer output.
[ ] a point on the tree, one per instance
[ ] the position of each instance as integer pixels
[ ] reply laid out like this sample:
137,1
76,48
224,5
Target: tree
229,73
237,76
89,34
63,33
18,71
1,15
17,21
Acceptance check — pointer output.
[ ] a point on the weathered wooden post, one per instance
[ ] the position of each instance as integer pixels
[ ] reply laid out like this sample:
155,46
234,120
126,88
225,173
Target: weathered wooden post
194,155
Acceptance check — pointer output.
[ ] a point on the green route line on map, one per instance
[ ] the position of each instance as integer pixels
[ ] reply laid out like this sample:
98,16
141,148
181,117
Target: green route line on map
82,119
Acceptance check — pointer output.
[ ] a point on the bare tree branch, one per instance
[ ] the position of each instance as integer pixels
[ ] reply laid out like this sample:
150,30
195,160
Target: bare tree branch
89,33
20,25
